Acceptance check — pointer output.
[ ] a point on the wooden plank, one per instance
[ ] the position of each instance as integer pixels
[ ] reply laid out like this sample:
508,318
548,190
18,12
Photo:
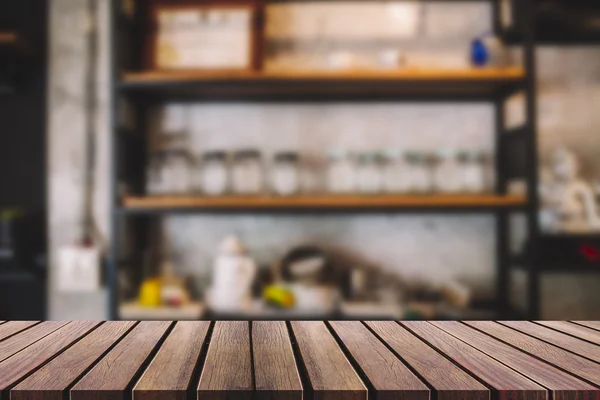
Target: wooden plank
569,362
579,331
492,372
390,378
275,370
111,377
321,201
589,324
29,359
170,374
404,74
50,381
561,340
563,385
10,328
227,371
18,342
330,374
450,382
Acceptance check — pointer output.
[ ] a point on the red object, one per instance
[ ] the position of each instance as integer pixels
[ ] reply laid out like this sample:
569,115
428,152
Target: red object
591,253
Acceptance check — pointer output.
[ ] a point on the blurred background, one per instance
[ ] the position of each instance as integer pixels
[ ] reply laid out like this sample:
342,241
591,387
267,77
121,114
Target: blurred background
278,159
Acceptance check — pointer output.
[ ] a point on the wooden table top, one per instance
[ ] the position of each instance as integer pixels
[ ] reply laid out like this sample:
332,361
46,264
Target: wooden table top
295,360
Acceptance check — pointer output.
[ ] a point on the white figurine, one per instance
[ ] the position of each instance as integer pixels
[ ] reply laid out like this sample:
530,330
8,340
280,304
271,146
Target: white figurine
568,202
233,275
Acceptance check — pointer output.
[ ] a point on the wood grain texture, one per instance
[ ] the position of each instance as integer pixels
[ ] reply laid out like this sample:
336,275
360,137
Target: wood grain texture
111,377
49,382
495,374
320,201
562,385
31,358
579,366
10,328
170,374
590,324
227,371
389,376
18,342
579,331
330,374
275,371
577,346
451,382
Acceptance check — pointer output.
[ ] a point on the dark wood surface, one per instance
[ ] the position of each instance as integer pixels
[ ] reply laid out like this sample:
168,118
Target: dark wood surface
447,360
275,371
10,328
388,375
171,372
576,365
50,381
581,332
330,373
450,382
587,350
227,372
130,354
495,374
563,386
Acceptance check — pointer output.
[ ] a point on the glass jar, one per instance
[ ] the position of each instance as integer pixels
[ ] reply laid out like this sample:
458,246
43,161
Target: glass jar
396,175
285,173
177,172
369,173
420,171
474,171
215,173
155,178
247,172
449,174
341,172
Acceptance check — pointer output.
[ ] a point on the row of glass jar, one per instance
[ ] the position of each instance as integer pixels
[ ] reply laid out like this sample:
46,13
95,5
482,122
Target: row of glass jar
217,172
392,171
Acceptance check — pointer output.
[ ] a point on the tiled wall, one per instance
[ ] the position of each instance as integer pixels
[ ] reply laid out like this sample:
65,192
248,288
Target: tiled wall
411,246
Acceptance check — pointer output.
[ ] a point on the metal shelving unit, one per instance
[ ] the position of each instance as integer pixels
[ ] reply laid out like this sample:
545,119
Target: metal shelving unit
142,90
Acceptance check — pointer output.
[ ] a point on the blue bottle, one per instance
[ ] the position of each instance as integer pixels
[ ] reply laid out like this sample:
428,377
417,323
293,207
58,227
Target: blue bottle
480,56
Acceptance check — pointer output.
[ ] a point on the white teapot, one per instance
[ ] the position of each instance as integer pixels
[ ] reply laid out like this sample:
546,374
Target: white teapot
233,275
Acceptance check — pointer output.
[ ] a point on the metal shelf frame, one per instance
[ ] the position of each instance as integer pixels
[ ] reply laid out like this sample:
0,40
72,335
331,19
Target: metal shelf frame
128,149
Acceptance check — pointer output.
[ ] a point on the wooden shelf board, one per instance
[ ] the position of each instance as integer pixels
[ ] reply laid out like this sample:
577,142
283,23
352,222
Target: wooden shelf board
406,74
321,201
409,84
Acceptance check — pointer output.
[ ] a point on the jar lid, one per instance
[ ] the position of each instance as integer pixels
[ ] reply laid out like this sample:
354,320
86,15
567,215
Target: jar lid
418,157
217,155
392,154
246,153
338,154
472,156
446,154
287,156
